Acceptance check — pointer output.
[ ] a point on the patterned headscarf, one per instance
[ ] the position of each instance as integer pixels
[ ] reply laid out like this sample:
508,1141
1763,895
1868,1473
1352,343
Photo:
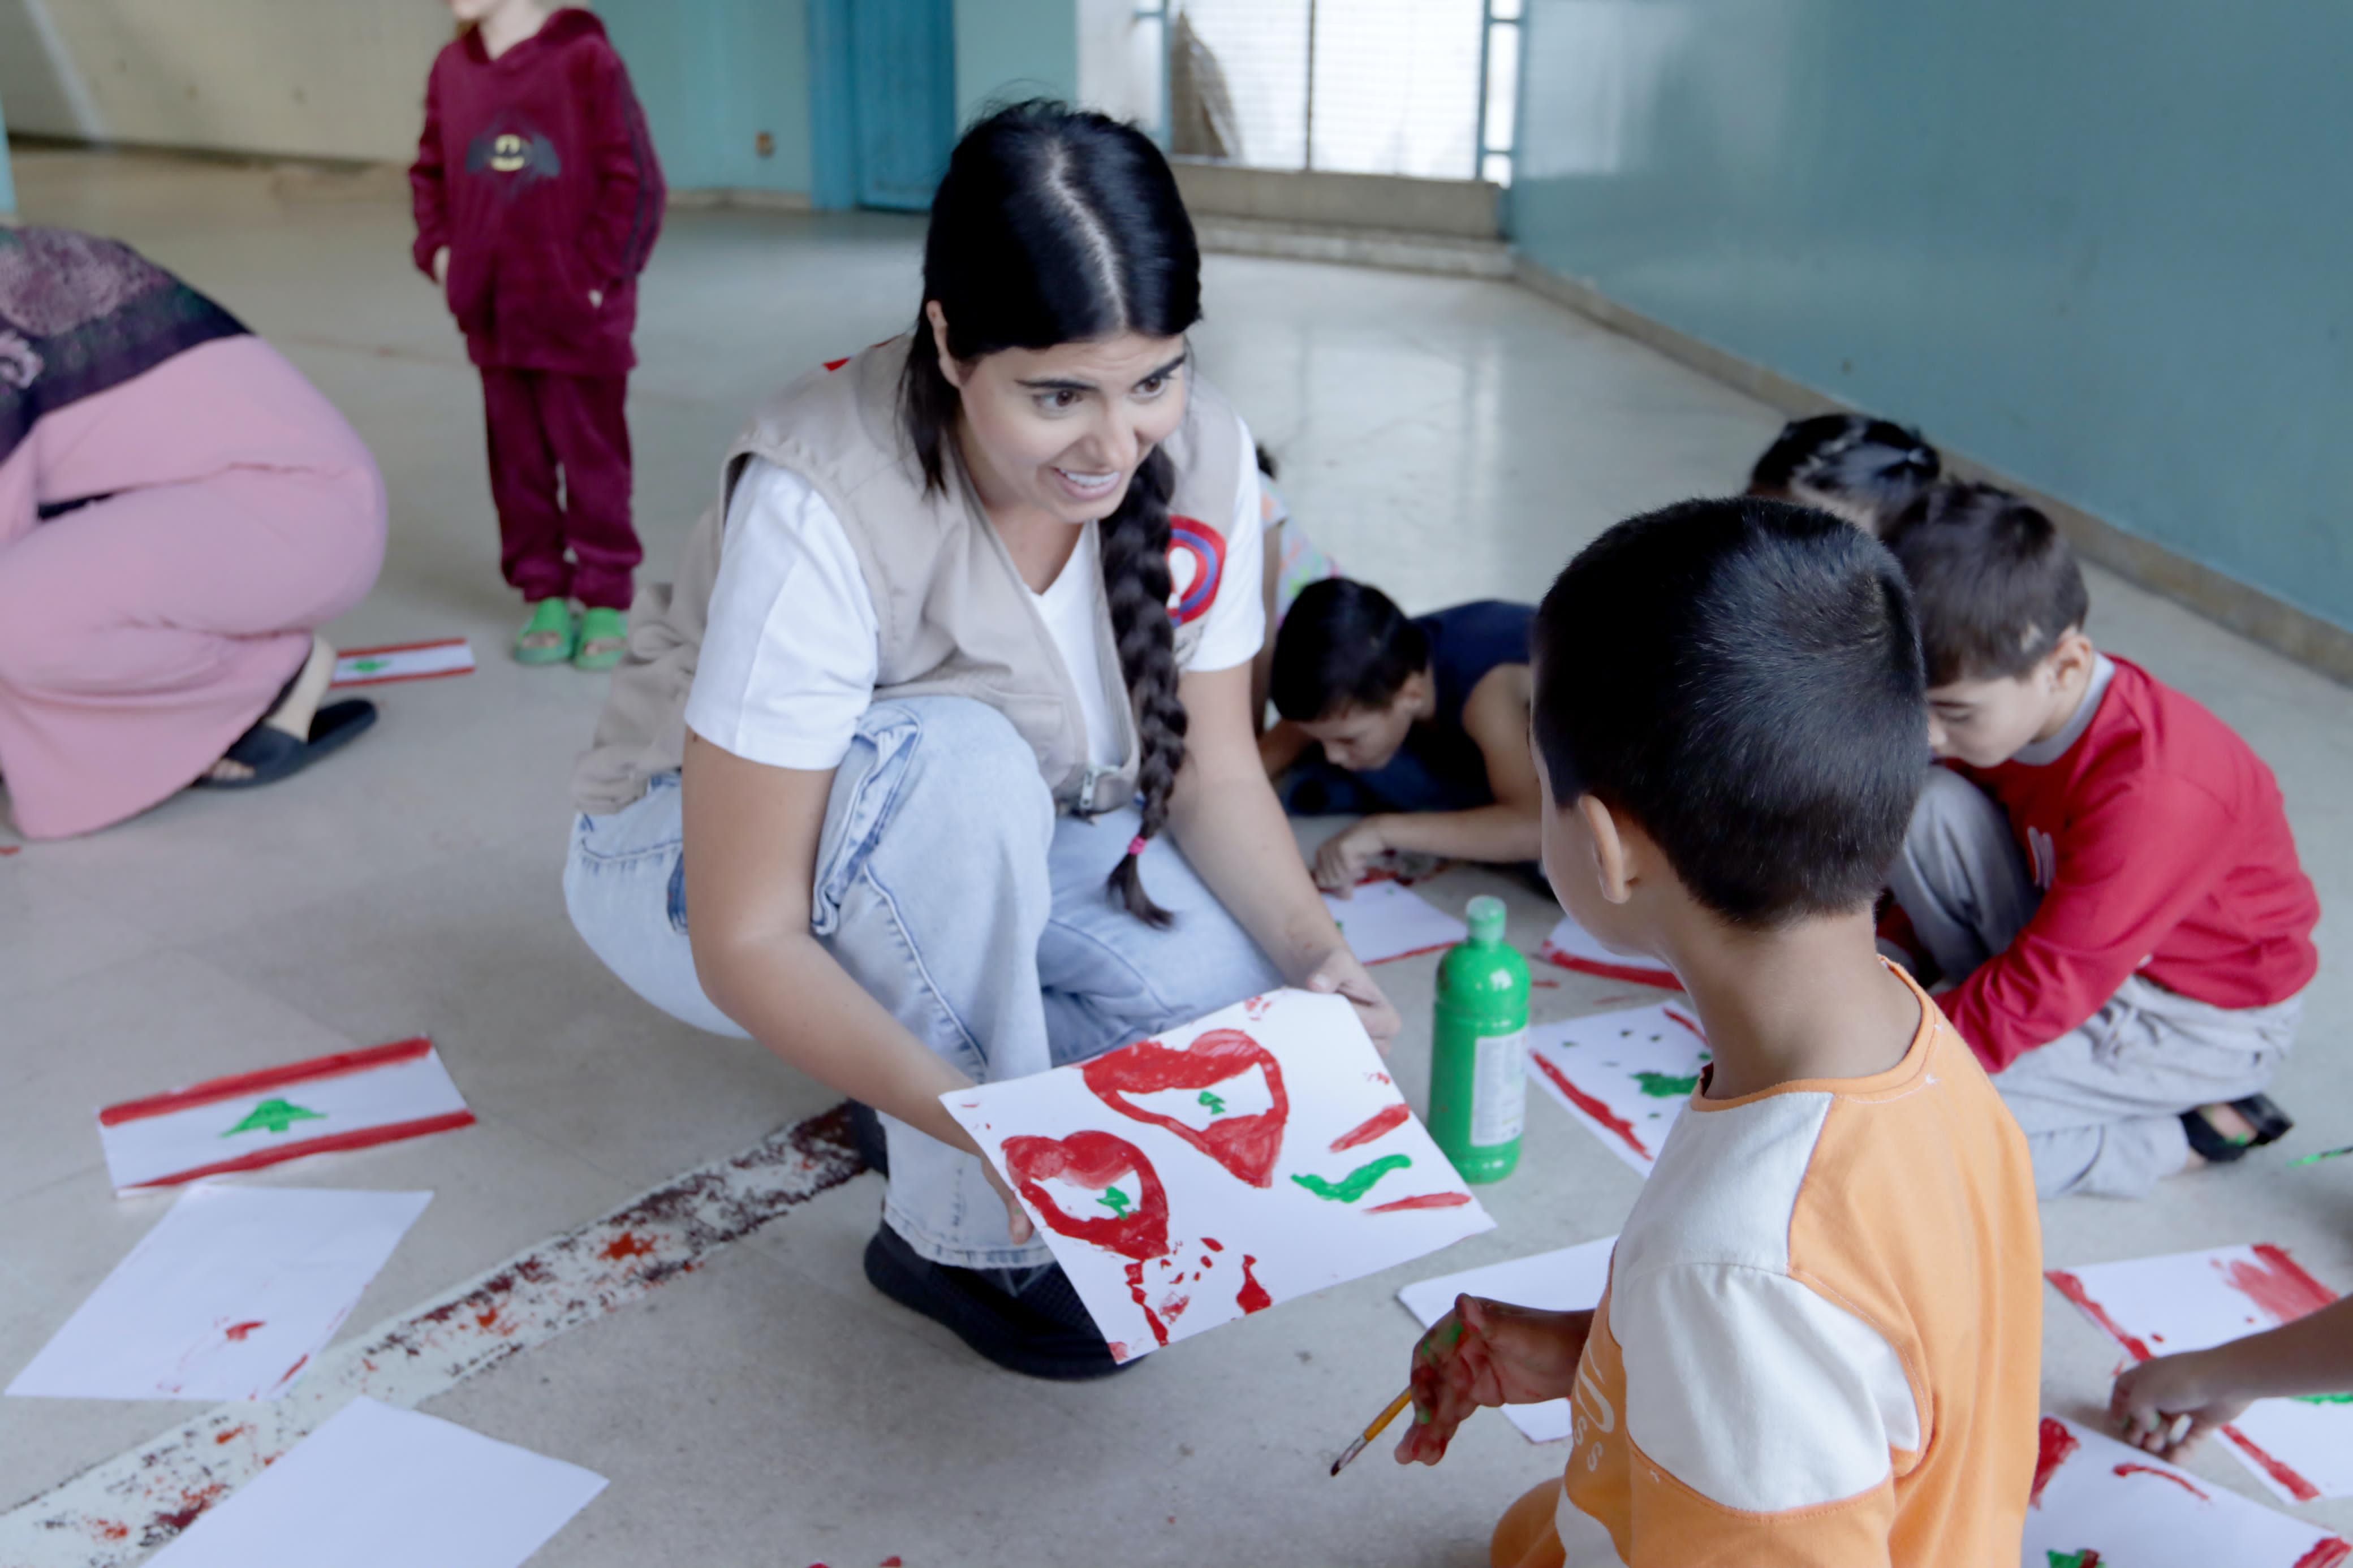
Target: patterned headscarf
79,315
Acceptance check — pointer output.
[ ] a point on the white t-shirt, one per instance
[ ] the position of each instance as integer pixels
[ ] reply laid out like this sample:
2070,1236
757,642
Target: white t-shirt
791,654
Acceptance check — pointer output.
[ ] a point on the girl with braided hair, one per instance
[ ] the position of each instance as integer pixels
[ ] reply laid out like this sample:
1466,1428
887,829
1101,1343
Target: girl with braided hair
935,765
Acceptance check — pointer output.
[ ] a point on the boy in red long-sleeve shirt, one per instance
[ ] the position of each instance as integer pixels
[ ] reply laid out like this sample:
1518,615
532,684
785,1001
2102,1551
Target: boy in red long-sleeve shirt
2106,872
538,200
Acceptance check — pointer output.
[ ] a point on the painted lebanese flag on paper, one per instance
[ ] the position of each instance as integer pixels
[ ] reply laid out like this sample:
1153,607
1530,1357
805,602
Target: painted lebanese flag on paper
2301,1448
1571,946
348,1100
2097,1502
1260,1154
1627,1075
404,661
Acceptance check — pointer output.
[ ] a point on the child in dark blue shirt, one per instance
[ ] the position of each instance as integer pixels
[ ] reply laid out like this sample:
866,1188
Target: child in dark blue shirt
1422,722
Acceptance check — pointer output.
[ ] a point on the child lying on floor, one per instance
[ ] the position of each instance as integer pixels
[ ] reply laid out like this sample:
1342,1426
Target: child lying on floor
2104,873
1423,723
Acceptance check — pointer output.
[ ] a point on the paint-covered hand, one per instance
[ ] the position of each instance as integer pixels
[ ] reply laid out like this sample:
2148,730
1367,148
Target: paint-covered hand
1341,973
1342,861
2150,1399
1487,1354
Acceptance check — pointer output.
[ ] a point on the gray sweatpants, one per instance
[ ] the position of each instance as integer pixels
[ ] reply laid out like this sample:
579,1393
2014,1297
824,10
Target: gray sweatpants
2101,1104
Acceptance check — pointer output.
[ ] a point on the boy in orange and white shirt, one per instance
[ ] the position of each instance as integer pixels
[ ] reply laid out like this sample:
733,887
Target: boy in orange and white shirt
1821,1339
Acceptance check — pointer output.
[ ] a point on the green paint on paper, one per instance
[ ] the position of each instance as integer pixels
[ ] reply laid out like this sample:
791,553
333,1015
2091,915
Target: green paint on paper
2323,1398
1666,1086
1116,1201
272,1116
1217,1106
2087,1558
1356,1182
369,665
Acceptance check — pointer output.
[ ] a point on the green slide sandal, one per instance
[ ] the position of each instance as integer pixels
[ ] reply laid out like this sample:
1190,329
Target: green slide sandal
604,638
550,637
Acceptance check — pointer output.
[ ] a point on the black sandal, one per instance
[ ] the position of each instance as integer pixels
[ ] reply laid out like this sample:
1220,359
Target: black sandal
2216,1148
273,755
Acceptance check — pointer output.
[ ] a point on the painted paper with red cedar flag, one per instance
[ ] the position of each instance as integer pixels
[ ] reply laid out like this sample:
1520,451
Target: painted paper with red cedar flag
2098,1503
352,1100
404,661
1571,946
1627,1075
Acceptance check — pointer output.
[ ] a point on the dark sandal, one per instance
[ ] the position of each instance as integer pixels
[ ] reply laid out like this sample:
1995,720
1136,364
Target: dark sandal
273,755
2270,1122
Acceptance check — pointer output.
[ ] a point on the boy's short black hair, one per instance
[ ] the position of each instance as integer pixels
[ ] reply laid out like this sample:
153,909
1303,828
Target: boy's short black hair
1742,678
1343,645
1874,464
1995,581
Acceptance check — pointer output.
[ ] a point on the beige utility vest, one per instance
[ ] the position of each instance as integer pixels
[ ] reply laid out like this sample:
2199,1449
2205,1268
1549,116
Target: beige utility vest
955,617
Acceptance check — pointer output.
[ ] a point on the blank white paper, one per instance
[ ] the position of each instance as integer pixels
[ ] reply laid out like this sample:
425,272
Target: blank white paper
1382,920
1569,1280
379,1488
229,1297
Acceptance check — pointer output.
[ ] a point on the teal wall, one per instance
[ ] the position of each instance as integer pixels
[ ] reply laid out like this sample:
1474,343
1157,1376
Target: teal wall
713,75
1014,49
2105,245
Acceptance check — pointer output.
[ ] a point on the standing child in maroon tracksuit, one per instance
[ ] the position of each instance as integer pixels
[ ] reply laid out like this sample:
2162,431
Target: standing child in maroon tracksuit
537,202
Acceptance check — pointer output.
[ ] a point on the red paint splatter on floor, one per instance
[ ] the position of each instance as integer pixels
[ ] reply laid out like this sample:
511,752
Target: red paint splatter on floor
1591,1107
193,1502
2325,1553
1384,1121
238,1331
1245,1145
108,1530
626,1246
2294,1485
2054,1444
2278,1284
487,1318
232,1433
1136,1291
1422,1201
1252,1297
2181,1482
2067,1285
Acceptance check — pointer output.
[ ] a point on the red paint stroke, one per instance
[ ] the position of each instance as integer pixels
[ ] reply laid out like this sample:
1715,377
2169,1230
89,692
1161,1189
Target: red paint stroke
1378,1078
1213,1244
1590,1106
333,1143
2180,1481
1173,1307
233,1432
890,1563
2067,1285
487,1318
1245,1145
193,1502
243,1085
1409,953
2053,1445
238,1331
1252,1297
6,851
1094,1160
837,363
626,1246
1257,1007
2278,1284
2294,1485
2325,1553
290,1371
1692,1024
1136,1293
1658,978
1423,1201
1380,1122
109,1529
1545,984
1118,1349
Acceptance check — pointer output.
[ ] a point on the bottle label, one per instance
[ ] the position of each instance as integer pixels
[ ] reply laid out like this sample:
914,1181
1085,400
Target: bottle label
1499,1088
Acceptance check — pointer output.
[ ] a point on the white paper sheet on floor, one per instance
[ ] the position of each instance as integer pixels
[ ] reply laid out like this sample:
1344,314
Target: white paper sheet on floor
1569,1280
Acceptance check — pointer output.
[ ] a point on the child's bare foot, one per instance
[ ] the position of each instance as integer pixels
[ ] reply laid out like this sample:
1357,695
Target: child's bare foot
294,711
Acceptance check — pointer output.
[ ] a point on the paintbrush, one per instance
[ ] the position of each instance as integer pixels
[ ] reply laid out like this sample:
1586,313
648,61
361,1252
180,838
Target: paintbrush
2324,1155
1395,1408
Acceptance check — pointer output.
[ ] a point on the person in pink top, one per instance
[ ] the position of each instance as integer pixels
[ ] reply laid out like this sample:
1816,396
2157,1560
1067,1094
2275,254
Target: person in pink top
2103,873
180,510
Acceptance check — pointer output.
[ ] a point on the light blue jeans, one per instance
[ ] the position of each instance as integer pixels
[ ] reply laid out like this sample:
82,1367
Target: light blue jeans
950,889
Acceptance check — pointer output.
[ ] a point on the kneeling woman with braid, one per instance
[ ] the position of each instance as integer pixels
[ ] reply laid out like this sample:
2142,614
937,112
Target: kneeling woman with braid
883,782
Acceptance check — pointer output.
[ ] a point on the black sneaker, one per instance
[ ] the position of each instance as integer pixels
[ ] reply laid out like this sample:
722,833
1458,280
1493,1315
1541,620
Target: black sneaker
2218,1148
1042,1331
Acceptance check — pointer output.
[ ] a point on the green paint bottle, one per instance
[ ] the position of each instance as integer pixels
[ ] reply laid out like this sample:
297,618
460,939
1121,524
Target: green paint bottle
1479,1049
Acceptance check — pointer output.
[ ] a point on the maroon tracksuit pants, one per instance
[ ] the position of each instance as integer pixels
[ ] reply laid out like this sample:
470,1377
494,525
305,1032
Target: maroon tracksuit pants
541,422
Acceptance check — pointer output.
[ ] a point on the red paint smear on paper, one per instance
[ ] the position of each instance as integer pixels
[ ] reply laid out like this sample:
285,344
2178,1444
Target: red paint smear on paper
1094,1160
1634,973
1380,1122
2067,1285
342,1064
238,1332
2325,1553
333,1143
2294,1484
1252,1297
1136,1291
2054,1444
628,1244
290,1371
1174,1306
1423,1201
1257,1007
1213,1244
1245,1145
1697,1033
1590,1106
2279,1286
6,851
1118,1349
2181,1482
